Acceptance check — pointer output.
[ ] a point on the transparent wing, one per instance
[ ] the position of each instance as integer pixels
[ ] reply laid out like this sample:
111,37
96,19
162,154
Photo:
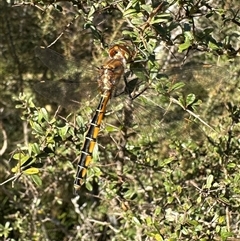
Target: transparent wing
179,103
70,82
172,105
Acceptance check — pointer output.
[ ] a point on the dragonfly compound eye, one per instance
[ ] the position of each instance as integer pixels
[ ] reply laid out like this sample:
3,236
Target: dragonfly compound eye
120,52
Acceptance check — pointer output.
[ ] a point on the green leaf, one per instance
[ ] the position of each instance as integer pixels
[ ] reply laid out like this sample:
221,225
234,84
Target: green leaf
188,35
129,12
129,194
190,99
129,33
187,43
92,10
37,180
63,131
95,154
52,121
89,186
111,128
209,181
22,158
132,3
159,20
80,121
184,46
158,237
33,148
177,86
182,102
43,114
71,131
147,8
231,165
212,46
221,220
185,231
165,162
149,220
5,230
136,221
37,128
224,233
31,171
138,20
224,200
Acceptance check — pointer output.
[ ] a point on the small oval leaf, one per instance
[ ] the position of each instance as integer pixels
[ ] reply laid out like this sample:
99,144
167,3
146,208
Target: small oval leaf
31,171
37,180
190,99
209,181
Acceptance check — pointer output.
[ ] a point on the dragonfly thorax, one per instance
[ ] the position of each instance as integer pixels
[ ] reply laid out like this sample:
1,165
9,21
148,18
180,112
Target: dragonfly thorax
110,74
112,70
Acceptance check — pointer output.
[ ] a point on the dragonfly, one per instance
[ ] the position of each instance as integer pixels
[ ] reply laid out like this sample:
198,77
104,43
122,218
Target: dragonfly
110,75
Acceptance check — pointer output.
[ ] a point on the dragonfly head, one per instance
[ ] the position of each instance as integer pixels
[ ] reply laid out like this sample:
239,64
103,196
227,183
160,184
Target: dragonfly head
120,52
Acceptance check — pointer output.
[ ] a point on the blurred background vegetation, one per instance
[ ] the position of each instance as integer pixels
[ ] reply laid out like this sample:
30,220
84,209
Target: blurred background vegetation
176,177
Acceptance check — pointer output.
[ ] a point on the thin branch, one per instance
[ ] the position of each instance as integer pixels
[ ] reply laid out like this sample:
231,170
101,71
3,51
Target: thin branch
104,224
5,143
173,100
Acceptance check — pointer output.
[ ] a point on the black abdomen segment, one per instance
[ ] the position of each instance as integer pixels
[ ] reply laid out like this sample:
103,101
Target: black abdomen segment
90,141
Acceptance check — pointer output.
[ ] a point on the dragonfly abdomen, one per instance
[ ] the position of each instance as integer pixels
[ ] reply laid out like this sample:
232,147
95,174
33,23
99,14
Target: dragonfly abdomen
90,141
110,74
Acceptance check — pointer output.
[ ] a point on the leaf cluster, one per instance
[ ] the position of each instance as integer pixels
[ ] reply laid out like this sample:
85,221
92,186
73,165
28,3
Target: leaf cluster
171,173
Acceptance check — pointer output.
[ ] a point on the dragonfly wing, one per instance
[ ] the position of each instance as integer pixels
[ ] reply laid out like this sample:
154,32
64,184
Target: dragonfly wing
71,85
54,61
176,96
